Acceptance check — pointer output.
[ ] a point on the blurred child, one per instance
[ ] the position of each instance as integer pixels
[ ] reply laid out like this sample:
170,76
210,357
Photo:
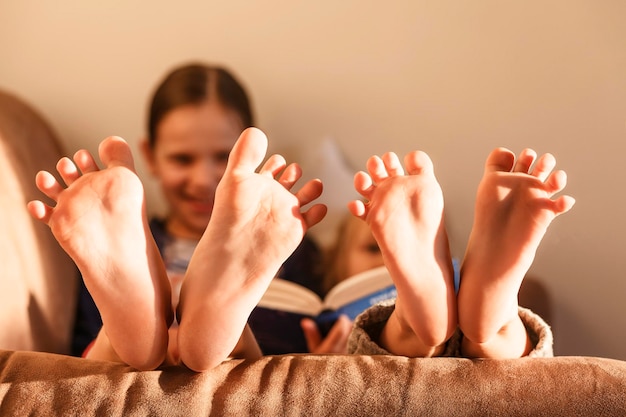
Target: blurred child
354,250
195,115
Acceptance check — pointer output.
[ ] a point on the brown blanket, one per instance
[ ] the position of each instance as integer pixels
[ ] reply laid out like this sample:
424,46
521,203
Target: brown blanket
48,384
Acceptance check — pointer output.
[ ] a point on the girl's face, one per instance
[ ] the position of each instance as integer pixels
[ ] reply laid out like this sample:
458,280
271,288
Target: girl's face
189,158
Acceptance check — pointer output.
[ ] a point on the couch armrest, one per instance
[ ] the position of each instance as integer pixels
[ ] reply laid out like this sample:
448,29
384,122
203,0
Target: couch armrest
35,383
39,281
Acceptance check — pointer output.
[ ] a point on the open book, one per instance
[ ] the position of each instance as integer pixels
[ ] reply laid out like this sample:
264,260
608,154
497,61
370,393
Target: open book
276,319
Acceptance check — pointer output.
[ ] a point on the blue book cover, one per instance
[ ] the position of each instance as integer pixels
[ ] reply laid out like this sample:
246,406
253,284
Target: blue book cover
327,318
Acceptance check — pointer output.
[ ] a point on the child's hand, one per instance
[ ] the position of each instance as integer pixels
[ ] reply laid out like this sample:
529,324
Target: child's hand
335,342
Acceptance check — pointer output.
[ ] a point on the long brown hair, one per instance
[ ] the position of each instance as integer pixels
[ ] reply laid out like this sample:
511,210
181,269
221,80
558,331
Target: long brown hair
195,83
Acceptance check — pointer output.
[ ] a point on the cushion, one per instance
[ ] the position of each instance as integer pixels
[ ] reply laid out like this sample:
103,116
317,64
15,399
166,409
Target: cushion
39,281
33,383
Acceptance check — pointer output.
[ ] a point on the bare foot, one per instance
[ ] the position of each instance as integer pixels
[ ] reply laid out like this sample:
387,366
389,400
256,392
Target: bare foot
514,207
405,214
99,220
257,223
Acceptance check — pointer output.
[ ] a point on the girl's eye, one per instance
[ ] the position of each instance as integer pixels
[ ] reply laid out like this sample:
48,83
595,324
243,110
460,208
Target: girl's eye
181,159
222,156
372,248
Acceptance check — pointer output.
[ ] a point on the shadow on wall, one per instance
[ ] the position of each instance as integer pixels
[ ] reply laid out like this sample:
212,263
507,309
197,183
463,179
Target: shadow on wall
534,295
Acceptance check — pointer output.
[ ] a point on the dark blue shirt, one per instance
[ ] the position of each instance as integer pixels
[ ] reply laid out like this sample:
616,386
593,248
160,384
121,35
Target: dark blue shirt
304,267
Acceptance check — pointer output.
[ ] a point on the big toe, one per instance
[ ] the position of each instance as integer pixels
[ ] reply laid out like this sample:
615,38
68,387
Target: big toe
418,162
249,150
115,151
500,159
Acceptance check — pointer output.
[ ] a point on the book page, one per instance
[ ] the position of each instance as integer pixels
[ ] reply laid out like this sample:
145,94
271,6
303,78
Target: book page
288,296
358,286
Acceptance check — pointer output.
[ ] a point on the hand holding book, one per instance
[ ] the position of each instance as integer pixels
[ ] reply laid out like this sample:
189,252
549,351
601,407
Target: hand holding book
285,304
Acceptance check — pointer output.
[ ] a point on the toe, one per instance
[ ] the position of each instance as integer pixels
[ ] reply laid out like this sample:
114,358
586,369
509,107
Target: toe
85,161
68,171
524,161
290,176
500,159
314,215
248,152
39,210
563,204
114,151
556,182
544,165
358,209
363,184
273,166
309,192
417,162
392,164
47,184
376,168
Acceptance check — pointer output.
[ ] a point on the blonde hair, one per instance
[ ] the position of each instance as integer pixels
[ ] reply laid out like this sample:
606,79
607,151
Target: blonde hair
336,268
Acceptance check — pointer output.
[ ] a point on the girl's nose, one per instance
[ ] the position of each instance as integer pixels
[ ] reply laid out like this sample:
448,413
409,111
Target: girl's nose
206,174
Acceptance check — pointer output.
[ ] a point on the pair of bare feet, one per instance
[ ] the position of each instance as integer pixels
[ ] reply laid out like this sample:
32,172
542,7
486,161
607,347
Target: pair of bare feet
515,204
99,219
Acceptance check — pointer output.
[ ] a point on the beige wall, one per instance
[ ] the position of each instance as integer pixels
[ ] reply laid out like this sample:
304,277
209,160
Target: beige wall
452,78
